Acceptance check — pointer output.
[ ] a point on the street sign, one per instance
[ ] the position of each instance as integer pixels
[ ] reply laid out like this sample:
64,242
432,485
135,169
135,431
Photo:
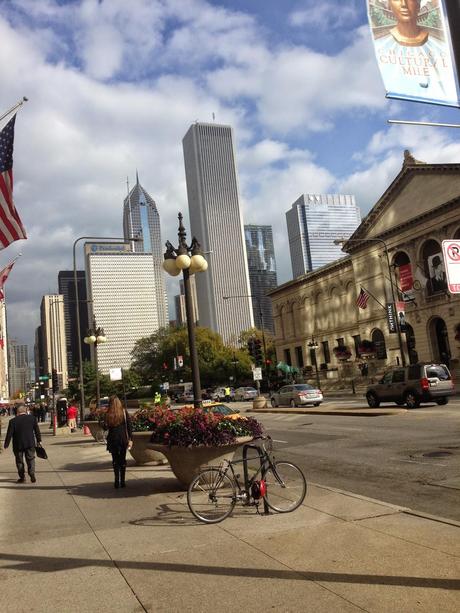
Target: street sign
165,385
43,378
115,374
257,374
451,253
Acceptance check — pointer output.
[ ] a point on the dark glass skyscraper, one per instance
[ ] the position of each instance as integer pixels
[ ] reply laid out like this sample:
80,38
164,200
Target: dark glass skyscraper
67,289
142,220
262,272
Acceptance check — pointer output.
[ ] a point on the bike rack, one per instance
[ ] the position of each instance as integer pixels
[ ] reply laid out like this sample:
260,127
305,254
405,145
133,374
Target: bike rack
246,475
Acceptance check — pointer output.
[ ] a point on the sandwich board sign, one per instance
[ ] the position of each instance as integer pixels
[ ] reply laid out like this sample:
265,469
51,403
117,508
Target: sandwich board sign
451,253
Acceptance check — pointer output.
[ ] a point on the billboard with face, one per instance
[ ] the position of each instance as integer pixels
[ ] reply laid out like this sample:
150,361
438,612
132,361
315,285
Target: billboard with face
413,49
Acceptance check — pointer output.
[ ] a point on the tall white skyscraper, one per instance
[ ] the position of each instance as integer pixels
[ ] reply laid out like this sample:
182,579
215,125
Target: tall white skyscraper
123,301
216,221
53,338
142,220
313,223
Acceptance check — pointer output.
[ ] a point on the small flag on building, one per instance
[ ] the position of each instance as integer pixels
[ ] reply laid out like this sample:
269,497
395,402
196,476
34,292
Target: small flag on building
11,228
4,276
362,299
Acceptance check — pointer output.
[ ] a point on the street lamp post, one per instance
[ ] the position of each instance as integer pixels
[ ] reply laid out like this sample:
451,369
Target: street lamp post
95,336
393,293
105,239
314,346
188,259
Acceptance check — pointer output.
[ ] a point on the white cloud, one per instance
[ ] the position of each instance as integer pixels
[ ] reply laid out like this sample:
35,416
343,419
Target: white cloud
324,15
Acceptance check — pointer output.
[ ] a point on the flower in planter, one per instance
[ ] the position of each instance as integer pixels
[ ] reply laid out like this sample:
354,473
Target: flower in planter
342,352
188,427
367,348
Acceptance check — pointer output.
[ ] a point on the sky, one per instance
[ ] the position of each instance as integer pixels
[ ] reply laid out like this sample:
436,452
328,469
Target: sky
113,86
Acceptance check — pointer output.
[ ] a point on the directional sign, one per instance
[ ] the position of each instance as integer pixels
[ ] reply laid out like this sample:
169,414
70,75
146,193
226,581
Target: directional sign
451,253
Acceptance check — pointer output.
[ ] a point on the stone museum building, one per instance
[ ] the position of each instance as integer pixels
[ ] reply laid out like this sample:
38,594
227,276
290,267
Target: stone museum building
393,257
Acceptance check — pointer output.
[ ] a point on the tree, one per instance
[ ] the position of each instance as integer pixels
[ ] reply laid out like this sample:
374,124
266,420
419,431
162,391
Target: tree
153,357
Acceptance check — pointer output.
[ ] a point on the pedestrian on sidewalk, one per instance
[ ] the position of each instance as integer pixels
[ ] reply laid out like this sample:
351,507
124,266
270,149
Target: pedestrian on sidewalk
23,430
119,438
72,413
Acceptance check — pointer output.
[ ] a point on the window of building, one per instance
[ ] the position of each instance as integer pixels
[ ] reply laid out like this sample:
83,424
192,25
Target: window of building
299,356
287,357
326,352
341,342
357,340
379,341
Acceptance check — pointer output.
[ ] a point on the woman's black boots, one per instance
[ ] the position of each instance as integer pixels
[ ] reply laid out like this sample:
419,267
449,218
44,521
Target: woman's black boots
116,470
122,476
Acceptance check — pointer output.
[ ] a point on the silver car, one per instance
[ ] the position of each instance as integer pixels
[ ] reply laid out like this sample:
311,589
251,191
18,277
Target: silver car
245,393
296,395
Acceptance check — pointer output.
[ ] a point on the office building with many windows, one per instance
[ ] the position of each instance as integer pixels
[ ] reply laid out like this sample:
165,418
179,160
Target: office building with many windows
262,272
18,368
54,344
216,221
313,223
142,220
123,301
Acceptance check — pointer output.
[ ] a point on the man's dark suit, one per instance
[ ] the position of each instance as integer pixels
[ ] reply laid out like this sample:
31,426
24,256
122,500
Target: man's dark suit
24,431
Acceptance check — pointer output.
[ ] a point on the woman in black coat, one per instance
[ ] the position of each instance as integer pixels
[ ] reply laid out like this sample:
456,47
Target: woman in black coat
119,438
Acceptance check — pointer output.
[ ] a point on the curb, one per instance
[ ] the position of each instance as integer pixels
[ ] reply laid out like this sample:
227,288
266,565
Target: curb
406,510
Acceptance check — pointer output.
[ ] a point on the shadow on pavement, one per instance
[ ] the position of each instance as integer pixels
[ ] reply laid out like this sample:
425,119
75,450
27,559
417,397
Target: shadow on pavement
105,489
46,564
179,515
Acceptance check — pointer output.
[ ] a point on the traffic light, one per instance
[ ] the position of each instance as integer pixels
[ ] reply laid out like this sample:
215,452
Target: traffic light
252,348
258,351
54,379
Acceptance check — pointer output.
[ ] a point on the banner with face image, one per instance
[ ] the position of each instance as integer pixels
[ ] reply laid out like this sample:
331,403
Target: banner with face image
414,53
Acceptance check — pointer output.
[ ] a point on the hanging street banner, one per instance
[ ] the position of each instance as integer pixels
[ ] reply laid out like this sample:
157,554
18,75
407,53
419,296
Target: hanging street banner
391,319
414,51
401,314
406,282
451,253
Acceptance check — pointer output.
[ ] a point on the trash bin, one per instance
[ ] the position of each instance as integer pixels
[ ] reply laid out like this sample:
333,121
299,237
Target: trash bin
61,411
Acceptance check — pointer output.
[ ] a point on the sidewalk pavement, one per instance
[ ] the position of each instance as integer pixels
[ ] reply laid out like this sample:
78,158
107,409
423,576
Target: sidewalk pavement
71,542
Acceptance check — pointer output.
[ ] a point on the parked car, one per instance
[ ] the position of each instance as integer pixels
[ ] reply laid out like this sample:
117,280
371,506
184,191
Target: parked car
412,385
103,403
219,394
186,397
296,395
245,393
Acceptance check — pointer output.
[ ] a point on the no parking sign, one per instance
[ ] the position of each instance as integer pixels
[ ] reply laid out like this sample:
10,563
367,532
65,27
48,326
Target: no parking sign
451,253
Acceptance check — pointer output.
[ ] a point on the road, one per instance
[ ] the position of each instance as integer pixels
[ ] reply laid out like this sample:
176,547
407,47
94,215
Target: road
411,459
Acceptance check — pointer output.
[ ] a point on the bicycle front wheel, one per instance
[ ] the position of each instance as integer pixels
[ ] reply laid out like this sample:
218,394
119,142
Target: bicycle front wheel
211,496
286,487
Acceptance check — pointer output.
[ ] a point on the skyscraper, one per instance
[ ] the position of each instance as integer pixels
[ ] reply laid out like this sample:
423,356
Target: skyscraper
142,220
262,272
181,314
313,223
66,286
216,221
54,340
121,286
18,367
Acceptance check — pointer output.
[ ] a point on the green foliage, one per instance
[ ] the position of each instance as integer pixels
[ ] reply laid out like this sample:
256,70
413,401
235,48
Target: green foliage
106,386
217,361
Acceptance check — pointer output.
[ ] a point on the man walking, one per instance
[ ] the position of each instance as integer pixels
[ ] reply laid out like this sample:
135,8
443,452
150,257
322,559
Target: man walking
23,430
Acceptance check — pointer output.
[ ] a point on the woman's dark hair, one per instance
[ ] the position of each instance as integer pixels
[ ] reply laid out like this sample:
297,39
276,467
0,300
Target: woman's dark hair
115,413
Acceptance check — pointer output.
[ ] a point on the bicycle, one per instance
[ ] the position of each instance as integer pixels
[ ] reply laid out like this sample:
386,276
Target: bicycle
213,494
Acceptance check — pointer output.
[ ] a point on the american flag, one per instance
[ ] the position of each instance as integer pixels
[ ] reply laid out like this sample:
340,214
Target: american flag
4,276
362,299
11,228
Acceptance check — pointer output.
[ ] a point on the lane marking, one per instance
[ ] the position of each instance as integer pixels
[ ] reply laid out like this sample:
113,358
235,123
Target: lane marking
275,440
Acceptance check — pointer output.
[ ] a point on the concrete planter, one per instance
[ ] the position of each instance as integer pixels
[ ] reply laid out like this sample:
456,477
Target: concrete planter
259,403
96,430
141,451
187,462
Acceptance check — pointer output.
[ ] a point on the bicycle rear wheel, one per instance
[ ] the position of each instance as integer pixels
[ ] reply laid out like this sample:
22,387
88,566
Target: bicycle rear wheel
286,487
211,496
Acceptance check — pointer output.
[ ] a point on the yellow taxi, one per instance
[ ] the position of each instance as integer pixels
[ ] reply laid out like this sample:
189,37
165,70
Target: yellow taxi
221,409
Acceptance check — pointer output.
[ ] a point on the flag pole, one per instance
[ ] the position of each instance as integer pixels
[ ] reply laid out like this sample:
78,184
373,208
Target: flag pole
13,108
372,296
